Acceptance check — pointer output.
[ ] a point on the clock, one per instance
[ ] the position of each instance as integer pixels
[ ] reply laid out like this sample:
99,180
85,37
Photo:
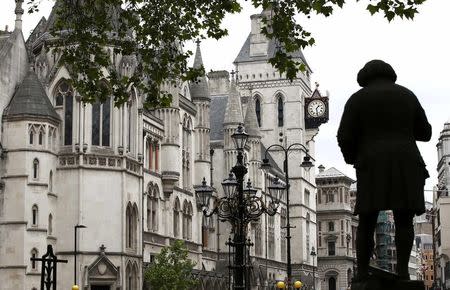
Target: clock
316,108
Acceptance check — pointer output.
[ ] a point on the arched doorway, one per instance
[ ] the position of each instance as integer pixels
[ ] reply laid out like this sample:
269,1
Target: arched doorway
332,283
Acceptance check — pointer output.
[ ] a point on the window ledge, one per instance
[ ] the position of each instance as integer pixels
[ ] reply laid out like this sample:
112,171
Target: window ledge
50,237
36,229
52,194
36,183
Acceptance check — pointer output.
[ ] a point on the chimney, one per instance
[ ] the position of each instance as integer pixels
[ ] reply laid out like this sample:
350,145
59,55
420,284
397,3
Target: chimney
321,168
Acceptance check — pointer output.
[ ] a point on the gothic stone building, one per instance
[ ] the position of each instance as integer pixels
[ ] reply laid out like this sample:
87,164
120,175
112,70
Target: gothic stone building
128,174
336,251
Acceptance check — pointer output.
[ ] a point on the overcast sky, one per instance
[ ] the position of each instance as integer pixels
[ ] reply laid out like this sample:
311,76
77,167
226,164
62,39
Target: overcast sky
418,50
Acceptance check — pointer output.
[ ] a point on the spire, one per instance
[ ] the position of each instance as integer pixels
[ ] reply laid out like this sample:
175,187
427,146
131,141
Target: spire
30,100
19,12
198,61
199,88
233,112
251,121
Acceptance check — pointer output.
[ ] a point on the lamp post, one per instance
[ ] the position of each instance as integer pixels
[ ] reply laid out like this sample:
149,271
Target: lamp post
239,206
75,228
313,255
306,164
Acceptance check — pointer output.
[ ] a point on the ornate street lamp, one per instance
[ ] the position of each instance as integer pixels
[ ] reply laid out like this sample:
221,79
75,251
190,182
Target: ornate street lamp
307,165
239,206
203,193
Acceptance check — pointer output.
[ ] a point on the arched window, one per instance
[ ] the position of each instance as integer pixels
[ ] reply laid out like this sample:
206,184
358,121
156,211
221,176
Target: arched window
131,110
101,123
50,225
34,254
176,218
31,137
131,227
258,110
186,152
187,220
280,106
35,168
34,215
331,226
129,278
64,98
152,208
50,182
41,136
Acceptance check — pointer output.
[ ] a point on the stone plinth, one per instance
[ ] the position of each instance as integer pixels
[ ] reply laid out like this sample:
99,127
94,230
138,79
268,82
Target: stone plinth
384,280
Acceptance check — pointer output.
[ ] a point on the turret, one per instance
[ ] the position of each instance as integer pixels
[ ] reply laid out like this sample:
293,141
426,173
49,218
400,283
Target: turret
200,96
233,117
254,142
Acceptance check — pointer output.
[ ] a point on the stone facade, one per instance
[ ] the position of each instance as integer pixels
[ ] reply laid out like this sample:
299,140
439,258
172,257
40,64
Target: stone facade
441,203
336,251
129,174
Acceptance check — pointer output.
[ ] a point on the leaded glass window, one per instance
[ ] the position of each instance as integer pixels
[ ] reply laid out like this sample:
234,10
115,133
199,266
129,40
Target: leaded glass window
64,98
68,116
280,111
101,120
258,111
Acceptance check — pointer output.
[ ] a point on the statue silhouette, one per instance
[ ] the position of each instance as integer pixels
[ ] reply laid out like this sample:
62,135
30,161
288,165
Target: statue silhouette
377,134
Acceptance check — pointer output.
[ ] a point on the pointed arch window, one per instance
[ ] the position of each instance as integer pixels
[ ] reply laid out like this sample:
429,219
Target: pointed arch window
152,208
187,220
64,98
34,254
31,137
186,152
176,218
35,168
41,137
34,215
50,225
101,123
280,107
131,227
50,182
258,110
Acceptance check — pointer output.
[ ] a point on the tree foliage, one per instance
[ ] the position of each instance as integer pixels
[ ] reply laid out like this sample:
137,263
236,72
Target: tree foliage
171,269
88,32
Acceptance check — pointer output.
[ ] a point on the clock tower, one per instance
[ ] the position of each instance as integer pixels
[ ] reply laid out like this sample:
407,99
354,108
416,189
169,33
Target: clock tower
316,109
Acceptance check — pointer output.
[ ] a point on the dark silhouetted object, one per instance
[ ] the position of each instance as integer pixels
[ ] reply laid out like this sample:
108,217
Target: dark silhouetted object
48,269
377,134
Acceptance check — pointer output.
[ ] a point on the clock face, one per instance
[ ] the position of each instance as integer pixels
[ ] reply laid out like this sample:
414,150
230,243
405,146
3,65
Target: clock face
316,108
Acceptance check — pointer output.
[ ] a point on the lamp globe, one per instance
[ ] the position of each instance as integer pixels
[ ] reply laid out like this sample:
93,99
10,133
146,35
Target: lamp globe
298,284
281,285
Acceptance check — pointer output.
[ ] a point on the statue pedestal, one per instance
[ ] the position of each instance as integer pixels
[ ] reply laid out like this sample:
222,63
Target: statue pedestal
384,280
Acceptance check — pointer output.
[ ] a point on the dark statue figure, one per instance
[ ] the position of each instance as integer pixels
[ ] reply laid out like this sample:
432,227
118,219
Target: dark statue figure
377,134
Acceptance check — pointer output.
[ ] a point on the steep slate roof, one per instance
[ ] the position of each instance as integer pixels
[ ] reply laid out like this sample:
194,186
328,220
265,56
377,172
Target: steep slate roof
199,88
233,112
7,42
251,121
217,115
30,99
244,53
330,173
